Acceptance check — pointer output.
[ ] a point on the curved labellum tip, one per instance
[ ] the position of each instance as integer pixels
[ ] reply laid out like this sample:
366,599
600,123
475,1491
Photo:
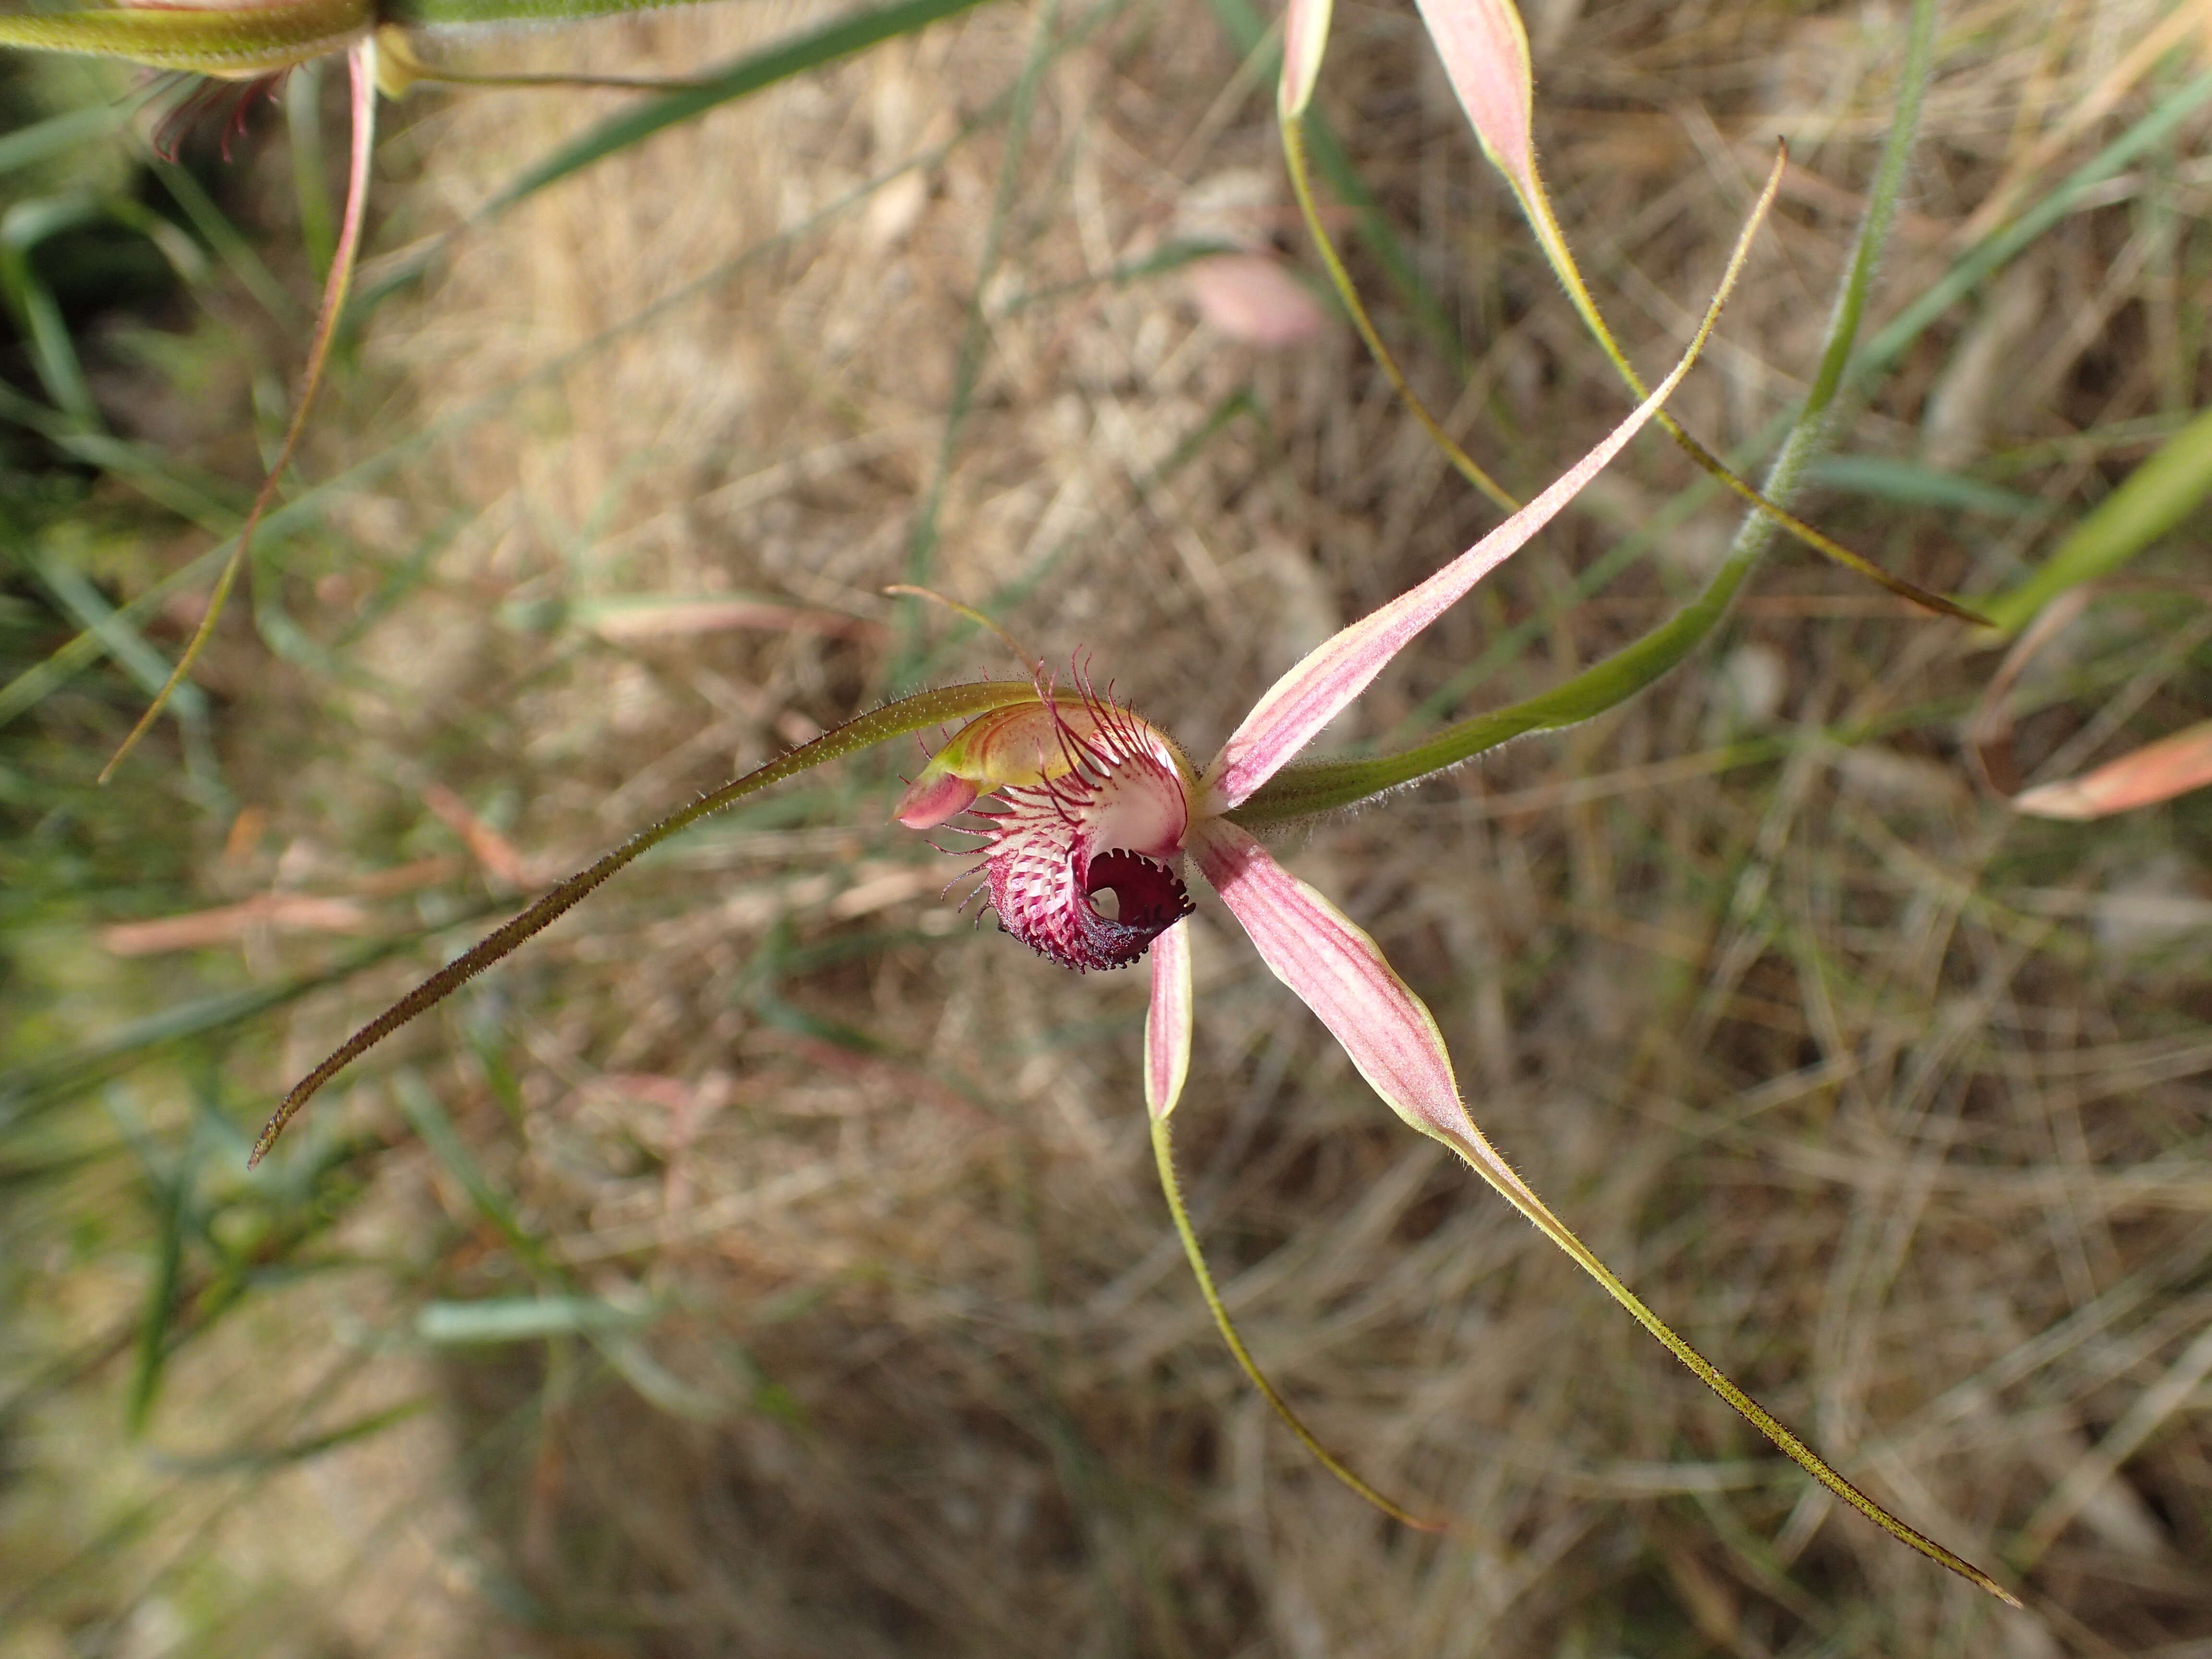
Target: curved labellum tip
933,799
1050,902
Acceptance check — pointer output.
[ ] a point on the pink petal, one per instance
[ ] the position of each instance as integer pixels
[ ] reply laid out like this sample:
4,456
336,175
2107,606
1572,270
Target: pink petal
1486,54
1305,36
1251,297
2157,771
1166,1022
1298,705
1338,973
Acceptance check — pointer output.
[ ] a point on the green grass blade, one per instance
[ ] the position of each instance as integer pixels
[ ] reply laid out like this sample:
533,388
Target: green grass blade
1998,249
2153,499
262,1459
53,352
1908,484
310,190
171,1199
29,1090
429,1119
747,75
89,609
494,1320
975,341
215,229
59,134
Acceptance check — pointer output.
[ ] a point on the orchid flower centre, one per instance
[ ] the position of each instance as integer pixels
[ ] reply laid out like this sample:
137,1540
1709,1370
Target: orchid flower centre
1089,810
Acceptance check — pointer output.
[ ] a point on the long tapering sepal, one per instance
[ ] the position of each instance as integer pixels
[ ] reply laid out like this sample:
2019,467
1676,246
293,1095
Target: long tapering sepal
1485,51
914,714
1163,1155
1320,684
1339,972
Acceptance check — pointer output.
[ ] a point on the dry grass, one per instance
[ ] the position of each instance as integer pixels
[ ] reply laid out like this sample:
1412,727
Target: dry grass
1893,1104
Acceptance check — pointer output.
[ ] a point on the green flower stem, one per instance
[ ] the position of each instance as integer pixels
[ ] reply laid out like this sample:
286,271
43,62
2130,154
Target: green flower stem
345,257
925,709
1163,1155
1300,791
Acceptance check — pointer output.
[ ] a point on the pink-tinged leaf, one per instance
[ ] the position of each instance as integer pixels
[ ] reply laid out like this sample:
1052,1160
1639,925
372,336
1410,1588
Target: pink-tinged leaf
283,912
1485,55
1251,297
2156,772
1168,1022
1305,36
1298,705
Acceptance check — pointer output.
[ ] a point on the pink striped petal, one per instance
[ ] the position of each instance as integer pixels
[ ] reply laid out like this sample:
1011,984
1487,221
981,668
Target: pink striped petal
1305,36
1168,1021
1298,705
1485,55
1339,972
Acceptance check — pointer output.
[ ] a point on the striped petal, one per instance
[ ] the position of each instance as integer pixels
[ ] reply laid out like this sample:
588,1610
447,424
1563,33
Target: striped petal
1306,699
1168,1021
1486,55
1298,705
1339,972
1305,36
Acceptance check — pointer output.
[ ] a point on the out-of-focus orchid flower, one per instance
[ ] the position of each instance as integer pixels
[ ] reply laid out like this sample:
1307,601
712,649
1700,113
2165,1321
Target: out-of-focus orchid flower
1253,298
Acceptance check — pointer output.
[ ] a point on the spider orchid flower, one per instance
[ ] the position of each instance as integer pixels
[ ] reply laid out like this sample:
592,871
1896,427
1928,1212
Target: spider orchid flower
1078,797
